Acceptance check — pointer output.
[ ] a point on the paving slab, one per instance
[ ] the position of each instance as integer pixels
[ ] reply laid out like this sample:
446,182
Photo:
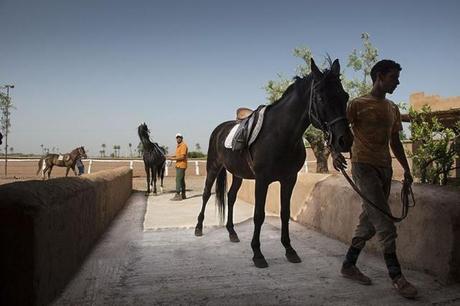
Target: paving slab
170,266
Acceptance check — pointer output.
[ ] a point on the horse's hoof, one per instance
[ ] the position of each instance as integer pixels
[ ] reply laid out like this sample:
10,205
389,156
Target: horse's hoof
260,262
293,257
234,238
198,232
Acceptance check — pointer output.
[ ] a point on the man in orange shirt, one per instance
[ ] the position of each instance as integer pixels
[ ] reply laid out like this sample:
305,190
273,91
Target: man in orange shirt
181,165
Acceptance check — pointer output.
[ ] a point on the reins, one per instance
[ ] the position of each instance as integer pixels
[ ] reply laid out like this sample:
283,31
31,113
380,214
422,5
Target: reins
406,191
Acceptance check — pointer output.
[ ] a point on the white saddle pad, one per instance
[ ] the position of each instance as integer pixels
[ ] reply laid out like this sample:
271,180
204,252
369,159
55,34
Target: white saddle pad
230,136
61,157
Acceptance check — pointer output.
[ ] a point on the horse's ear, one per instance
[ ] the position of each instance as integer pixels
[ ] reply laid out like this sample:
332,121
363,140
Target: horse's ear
335,68
315,70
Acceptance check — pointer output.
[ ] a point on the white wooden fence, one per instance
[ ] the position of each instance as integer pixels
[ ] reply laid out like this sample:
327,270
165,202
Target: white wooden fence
196,163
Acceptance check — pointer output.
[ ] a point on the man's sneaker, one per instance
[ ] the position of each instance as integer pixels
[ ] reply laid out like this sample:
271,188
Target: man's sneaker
177,197
405,288
354,274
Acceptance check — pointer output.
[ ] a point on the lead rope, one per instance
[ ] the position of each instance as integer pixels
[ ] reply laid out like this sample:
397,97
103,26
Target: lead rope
406,191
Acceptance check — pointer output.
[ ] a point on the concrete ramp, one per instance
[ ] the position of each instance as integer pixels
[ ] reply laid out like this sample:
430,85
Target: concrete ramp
162,213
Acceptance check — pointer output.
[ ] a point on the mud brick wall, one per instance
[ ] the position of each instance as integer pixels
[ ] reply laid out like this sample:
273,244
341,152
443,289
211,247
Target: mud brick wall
48,227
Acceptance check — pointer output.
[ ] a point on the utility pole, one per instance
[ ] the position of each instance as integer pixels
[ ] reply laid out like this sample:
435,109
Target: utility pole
7,124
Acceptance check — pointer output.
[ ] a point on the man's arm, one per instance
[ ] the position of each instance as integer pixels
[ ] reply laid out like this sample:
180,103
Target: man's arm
398,151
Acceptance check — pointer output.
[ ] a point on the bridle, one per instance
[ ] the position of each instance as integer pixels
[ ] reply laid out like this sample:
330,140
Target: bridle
313,115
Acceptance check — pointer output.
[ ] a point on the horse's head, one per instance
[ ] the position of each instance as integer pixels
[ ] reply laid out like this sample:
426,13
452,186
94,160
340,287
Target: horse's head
82,152
143,130
328,103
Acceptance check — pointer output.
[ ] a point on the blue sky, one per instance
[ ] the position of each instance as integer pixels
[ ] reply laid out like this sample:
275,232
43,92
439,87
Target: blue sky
88,72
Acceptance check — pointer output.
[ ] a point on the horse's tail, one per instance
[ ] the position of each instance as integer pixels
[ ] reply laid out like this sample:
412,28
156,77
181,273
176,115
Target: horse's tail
40,165
221,193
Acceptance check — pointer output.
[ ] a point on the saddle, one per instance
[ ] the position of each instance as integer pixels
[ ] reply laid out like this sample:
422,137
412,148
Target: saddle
248,126
243,113
65,157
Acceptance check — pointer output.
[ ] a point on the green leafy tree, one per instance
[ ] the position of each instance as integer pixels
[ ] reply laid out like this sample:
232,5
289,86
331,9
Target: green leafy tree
140,149
103,149
361,61
434,147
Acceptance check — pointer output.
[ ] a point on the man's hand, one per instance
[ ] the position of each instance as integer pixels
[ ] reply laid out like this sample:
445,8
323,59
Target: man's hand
338,161
408,177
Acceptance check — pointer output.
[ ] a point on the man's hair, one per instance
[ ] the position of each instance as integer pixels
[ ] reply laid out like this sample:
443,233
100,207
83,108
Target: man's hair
384,66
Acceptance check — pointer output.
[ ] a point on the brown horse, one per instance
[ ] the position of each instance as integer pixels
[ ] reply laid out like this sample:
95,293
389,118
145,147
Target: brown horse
67,160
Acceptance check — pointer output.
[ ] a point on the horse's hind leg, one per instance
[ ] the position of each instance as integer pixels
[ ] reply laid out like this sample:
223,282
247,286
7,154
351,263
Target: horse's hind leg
210,178
287,185
49,171
236,184
154,178
162,175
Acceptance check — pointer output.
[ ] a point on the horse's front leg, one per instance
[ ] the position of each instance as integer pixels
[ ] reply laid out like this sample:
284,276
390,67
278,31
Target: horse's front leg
147,172
287,185
67,171
236,184
74,171
259,217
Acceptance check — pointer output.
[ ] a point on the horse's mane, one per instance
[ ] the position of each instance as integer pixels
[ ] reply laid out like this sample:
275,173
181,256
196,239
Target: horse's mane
300,83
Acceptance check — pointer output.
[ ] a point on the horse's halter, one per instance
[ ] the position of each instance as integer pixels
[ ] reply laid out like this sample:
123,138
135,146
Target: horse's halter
314,118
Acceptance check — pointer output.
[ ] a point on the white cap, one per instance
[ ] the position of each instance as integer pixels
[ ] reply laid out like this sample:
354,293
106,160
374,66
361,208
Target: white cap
179,135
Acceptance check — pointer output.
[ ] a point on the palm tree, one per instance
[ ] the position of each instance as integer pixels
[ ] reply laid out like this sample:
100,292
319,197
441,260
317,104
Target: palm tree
43,152
130,145
103,149
140,149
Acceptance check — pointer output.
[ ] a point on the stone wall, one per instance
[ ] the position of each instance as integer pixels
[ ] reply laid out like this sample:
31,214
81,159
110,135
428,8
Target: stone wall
48,227
429,238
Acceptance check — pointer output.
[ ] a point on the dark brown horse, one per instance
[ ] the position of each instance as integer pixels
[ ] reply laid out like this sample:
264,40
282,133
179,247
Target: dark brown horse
154,159
67,160
279,152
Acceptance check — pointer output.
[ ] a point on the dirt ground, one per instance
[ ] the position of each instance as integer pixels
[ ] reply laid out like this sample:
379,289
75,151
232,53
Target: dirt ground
25,170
